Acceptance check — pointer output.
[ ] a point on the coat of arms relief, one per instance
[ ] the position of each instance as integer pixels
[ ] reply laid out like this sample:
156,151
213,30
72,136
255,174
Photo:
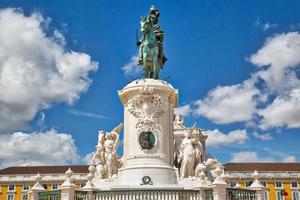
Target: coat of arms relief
146,107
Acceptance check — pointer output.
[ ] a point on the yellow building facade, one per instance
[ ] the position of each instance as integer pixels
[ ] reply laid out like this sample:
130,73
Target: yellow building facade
282,180
15,182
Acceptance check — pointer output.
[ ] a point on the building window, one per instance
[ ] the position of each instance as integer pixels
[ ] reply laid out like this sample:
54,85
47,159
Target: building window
25,187
232,184
11,188
278,184
294,184
295,195
264,183
266,195
248,183
10,197
54,187
82,185
279,195
24,197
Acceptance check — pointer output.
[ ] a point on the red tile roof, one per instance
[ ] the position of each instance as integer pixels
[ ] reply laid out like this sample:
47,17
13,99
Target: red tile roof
44,169
262,167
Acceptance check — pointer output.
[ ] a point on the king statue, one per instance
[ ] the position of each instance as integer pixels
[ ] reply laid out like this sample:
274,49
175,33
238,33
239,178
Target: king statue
151,55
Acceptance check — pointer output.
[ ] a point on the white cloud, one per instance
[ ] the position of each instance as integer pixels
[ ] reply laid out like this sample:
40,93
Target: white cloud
270,98
283,111
227,104
248,156
281,54
289,159
185,110
87,114
37,148
36,70
251,156
216,138
87,159
263,137
132,68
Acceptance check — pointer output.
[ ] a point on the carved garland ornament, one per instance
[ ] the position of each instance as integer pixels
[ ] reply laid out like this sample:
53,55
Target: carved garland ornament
146,107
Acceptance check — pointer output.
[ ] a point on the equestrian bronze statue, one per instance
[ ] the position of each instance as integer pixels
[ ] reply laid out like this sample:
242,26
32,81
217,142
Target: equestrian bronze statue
151,56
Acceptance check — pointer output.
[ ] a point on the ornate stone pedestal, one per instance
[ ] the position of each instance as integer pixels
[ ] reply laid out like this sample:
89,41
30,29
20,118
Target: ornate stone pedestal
148,133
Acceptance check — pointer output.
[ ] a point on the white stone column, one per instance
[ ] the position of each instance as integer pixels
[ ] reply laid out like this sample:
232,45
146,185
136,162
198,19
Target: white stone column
219,186
34,192
68,187
148,108
257,186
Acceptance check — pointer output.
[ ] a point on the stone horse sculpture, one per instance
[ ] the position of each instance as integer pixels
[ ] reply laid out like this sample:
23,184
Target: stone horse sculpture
149,49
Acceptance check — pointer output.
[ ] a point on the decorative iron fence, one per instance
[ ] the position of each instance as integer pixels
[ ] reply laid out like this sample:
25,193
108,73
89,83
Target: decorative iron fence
240,194
50,195
141,195
209,194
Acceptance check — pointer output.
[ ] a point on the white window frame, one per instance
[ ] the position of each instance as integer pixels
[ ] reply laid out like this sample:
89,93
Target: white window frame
54,188
281,196
232,184
82,185
23,188
292,184
280,183
295,191
266,183
266,195
9,190
250,182
10,194
23,196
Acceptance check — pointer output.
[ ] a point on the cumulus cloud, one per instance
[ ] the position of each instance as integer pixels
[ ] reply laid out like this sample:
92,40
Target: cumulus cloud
35,69
281,55
184,111
270,97
248,156
217,139
37,148
263,137
227,104
132,68
283,111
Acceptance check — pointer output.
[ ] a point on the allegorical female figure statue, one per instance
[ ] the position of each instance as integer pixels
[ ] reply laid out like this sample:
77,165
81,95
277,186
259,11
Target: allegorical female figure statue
188,155
106,153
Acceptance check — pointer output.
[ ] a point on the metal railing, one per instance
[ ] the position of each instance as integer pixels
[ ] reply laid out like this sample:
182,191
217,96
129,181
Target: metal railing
240,194
141,195
50,195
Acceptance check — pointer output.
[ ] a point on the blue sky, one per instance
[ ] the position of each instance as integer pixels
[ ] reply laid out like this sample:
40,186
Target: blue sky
235,63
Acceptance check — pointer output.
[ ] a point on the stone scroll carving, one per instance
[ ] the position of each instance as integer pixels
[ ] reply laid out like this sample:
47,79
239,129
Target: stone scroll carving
146,107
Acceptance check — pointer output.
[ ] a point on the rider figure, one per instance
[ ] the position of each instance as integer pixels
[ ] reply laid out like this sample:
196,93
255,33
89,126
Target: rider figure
153,17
